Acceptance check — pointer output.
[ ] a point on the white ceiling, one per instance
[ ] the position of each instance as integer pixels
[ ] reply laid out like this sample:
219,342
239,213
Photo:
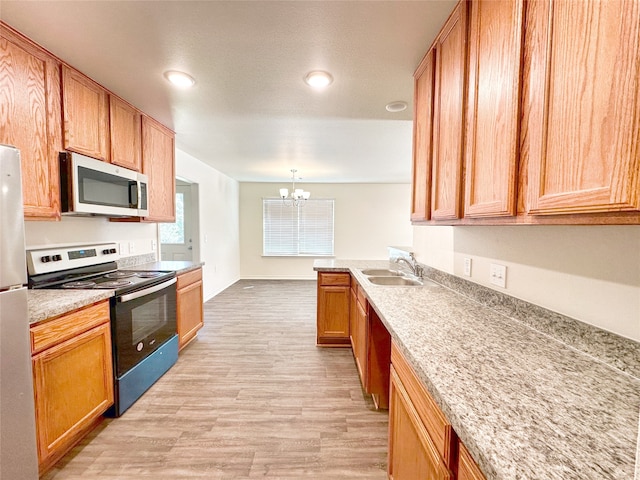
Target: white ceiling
250,115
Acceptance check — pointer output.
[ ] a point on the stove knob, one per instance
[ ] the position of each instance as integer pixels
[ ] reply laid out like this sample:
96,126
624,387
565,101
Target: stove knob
57,258
45,259
105,251
113,250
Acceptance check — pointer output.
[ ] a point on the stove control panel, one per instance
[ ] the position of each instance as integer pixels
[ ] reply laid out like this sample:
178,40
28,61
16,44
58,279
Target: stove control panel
49,260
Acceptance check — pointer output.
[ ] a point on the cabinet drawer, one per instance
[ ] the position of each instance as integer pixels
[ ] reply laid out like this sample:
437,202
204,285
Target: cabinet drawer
49,333
435,422
342,279
189,278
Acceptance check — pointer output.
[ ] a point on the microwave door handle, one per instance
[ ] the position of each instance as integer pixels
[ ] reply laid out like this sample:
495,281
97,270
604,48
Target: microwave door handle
146,291
134,194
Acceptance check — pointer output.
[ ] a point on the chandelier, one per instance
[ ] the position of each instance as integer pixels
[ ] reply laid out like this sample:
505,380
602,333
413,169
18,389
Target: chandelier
298,195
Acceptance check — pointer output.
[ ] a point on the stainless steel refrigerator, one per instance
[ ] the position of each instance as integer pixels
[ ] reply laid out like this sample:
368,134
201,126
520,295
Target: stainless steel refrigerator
18,454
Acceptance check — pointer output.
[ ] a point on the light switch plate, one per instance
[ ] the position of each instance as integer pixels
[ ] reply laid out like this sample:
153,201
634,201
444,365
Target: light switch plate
467,266
498,275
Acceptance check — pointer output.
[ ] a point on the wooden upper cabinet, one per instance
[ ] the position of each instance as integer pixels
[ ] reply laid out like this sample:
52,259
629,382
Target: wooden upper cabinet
493,134
158,163
126,131
448,131
423,137
86,115
31,119
584,106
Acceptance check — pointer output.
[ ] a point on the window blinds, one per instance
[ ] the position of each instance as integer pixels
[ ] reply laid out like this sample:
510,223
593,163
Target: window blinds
297,231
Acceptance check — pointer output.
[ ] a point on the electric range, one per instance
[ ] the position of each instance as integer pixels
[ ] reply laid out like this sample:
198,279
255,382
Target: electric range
142,311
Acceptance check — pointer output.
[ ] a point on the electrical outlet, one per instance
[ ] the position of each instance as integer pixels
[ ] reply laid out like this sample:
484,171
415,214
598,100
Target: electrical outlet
498,275
123,248
132,247
467,266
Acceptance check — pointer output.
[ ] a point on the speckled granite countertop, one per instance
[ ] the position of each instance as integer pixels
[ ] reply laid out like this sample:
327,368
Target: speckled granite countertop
45,304
526,405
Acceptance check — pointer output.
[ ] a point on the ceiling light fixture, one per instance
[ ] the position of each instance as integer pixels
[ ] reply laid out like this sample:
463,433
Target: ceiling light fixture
179,79
298,195
395,107
318,79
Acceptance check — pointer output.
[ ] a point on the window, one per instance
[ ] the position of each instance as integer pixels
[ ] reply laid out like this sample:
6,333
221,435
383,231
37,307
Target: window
297,231
174,232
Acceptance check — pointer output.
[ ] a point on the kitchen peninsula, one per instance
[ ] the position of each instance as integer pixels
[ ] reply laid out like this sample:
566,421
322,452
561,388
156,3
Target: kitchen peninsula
530,394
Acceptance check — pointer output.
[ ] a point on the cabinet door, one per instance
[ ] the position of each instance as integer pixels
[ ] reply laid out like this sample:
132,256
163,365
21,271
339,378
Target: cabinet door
412,454
446,178
423,137
73,383
493,134
353,312
126,130
584,127
467,468
31,120
190,312
360,352
333,314
86,115
158,163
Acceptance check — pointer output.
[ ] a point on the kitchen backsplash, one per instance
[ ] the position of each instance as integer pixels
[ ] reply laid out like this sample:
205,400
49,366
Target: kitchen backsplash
133,238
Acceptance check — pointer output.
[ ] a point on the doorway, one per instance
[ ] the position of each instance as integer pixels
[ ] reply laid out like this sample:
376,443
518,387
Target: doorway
179,240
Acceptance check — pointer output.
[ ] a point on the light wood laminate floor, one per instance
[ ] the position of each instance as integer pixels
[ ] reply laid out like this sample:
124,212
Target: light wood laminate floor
252,397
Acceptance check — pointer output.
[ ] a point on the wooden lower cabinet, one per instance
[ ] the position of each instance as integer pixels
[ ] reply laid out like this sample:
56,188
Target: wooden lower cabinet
360,337
467,468
353,305
73,378
378,360
412,454
422,442
371,344
334,291
190,315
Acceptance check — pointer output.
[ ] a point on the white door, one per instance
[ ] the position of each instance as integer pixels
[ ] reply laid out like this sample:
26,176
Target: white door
176,239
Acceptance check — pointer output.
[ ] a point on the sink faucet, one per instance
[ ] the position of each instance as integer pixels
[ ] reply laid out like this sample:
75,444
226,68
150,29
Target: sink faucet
415,267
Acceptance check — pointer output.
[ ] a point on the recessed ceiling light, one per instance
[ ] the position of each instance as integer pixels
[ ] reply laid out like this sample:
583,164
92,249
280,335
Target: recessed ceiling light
318,79
179,79
396,107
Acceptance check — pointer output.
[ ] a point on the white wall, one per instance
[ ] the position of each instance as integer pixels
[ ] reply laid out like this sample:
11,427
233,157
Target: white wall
591,273
84,230
368,218
219,233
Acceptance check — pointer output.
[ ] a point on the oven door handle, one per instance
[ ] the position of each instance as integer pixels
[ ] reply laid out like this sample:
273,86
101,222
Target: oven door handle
132,296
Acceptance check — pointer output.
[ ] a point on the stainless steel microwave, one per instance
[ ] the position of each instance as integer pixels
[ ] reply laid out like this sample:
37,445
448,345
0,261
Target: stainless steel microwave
91,187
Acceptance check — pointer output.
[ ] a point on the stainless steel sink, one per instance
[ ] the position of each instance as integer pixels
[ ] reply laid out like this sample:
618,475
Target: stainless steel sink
381,272
392,280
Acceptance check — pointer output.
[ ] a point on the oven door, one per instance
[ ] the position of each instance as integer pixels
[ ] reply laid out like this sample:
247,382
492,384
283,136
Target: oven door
141,322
